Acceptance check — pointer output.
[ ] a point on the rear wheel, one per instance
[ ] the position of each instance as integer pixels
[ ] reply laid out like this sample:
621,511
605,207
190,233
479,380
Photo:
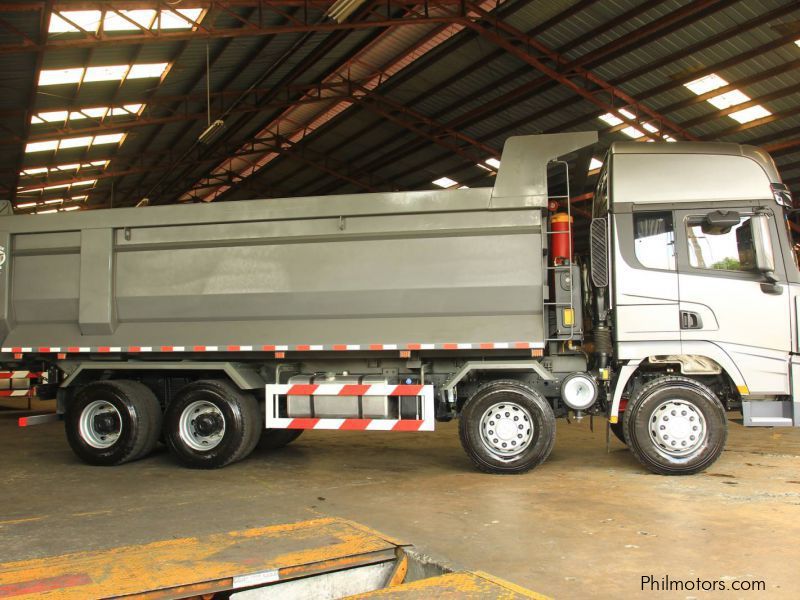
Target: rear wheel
507,427
113,422
675,426
210,424
272,439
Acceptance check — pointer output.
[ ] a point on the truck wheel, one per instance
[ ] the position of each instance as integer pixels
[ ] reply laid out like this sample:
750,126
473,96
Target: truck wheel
112,422
272,439
507,427
617,428
675,426
210,424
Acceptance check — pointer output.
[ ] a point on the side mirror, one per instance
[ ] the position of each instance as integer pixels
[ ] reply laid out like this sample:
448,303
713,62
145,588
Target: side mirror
719,222
765,259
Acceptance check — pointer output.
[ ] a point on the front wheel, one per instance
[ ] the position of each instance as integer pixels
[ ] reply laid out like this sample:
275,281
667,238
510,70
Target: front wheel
507,427
675,426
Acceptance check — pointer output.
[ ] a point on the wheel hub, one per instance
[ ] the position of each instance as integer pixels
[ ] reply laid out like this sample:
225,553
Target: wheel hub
208,424
506,430
201,425
677,427
106,423
100,424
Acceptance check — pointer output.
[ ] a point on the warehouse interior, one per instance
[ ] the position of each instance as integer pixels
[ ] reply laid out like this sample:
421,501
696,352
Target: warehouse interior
144,103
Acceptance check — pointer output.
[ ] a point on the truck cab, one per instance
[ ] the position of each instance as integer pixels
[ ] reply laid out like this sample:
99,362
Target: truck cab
702,281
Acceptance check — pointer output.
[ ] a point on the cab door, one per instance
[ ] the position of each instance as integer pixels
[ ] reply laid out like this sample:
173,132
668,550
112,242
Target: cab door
725,301
646,279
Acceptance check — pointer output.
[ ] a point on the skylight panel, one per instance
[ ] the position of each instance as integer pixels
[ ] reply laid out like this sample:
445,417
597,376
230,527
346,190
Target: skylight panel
797,42
632,132
88,20
106,73
116,22
729,99
128,109
595,164
53,117
493,162
445,182
26,204
111,138
133,20
84,183
706,84
170,20
95,164
41,146
612,120
95,113
77,142
102,73
54,201
60,76
98,112
750,114
70,208
81,197
147,70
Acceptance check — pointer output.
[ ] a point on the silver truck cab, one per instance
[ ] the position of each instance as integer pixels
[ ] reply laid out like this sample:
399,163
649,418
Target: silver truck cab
703,275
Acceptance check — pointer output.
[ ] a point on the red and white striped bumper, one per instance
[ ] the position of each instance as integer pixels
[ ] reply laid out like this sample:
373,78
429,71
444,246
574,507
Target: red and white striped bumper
425,423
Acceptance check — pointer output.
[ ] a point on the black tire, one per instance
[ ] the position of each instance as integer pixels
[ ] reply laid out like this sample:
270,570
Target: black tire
526,400
272,439
666,397
136,419
617,428
237,411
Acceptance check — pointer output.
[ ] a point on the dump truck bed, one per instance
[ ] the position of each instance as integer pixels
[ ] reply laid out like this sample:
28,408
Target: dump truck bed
417,270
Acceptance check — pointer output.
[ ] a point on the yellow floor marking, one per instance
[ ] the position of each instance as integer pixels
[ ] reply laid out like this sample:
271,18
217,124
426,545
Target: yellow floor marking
24,520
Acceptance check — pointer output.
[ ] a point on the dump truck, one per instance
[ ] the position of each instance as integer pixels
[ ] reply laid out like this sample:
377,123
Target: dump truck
216,327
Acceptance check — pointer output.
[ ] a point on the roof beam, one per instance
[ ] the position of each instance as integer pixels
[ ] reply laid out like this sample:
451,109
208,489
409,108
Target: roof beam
602,54
381,15
581,81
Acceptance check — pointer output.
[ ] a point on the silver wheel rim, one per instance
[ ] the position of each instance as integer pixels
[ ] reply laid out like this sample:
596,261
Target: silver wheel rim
188,426
90,429
506,430
677,428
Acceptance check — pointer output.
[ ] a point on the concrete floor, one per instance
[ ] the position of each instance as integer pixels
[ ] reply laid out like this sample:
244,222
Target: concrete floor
584,524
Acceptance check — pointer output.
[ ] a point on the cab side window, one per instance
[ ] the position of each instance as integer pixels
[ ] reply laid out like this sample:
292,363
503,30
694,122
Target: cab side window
654,240
729,249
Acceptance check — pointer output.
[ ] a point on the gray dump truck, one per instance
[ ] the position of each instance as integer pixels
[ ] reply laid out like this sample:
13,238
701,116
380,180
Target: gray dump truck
215,326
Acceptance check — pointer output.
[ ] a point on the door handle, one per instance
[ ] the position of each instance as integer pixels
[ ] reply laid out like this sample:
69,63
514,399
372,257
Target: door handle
691,320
